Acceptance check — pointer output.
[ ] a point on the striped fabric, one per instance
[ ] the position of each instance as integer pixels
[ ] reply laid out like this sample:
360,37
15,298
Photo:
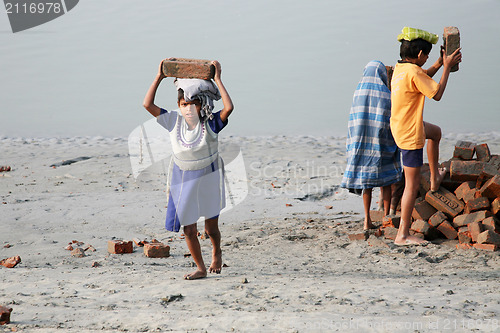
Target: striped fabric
373,159
410,34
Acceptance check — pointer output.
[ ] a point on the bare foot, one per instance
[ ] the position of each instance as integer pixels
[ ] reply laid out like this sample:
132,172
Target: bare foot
409,240
438,179
195,275
216,266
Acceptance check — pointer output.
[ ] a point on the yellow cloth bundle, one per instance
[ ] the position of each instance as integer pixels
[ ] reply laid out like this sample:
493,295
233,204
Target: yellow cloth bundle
410,34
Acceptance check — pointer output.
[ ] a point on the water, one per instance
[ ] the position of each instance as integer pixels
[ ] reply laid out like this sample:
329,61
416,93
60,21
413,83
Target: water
291,67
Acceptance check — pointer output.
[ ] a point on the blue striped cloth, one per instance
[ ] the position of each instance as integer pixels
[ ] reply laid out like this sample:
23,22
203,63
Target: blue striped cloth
373,159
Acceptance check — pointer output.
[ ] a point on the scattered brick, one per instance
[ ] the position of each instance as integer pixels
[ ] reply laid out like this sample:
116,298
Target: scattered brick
423,211
447,230
495,206
376,215
466,170
390,233
475,228
491,188
5,315
465,219
476,204
445,201
482,152
188,68
391,221
437,218
138,242
486,247
10,262
464,237
120,246
358,236
451,42
491,223
488,237
69,248
420,226
464,188
78,253
464,150
463,246
156,250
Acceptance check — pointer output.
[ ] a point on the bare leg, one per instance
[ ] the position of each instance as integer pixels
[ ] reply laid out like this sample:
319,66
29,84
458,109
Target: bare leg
367,201
386,193
397,193
212,229
433,134
191,233
412,184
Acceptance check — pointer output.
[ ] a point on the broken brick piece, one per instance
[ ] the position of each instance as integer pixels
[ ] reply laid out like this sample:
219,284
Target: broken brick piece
465,219
491,188
390,233
188,68
156,250
10,262
447,230
391,221
475,228
464,188
495,206
464,237
451,42
482,152
463,246
420,226
423,211
5,315
466,170
476,204
120,246
464,150
488,237
376,215
436,219
445,201
491,223
78,253
486,247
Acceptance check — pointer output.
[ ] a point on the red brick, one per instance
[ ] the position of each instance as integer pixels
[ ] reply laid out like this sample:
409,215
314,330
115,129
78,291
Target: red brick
420,226
495,206
391,221
481,203
451,38
376,215
464,237
156,250
120,246
464,150
483,152
188,68
464,188
10,262
475,228
447,230
488,237
491,223
423,211
486,247
491,188
425,182
445,201
466,170
390,233
437,219
463,246
5,315
465,219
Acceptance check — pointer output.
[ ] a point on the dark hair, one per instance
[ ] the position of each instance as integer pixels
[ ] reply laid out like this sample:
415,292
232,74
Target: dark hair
410,50
180,95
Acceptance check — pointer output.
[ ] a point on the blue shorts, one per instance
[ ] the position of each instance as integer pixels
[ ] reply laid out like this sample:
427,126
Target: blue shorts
413,158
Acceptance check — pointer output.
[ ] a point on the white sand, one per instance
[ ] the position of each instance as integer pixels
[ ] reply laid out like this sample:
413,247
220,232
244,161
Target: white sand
303,273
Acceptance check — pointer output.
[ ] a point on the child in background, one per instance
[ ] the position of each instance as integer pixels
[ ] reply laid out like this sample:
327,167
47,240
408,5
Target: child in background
373,159
196,186
410,85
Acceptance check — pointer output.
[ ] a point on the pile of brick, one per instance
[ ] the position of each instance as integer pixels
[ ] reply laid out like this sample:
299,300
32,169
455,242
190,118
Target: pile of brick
466,206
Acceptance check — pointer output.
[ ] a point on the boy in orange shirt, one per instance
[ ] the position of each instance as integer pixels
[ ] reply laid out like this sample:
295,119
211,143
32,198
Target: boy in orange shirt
410,85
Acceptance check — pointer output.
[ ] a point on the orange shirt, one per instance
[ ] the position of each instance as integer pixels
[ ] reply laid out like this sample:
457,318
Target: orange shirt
410,85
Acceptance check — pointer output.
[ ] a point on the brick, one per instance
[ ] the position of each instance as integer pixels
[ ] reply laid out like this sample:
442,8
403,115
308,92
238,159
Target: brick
482,152
10,262
188,68
376,215
464,188
449,184
447,230
390,233
491,188
5,315
465,219
464,150
491,223
420,226
437,219
466,170
391,221
423,211
445,201
495,206
464,237
488,237
475,228
481,203
78,253
425,181
451,42
486,247
156,250
416,234
120,246
463,246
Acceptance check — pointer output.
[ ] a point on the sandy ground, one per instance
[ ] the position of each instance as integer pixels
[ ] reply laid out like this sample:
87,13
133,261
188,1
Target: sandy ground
290,265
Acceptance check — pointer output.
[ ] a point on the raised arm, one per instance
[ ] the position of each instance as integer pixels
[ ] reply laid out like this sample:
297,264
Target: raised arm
437,65
226,99
448,63
149,99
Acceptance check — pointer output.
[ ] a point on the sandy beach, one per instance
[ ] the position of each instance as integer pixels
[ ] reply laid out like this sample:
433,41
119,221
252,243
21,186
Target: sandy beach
290,266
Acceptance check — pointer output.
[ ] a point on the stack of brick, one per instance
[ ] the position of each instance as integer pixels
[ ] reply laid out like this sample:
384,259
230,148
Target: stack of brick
467,205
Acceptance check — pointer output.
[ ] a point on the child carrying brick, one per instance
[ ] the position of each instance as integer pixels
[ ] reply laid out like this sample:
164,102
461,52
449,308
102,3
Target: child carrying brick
196,180
410,85
373,159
